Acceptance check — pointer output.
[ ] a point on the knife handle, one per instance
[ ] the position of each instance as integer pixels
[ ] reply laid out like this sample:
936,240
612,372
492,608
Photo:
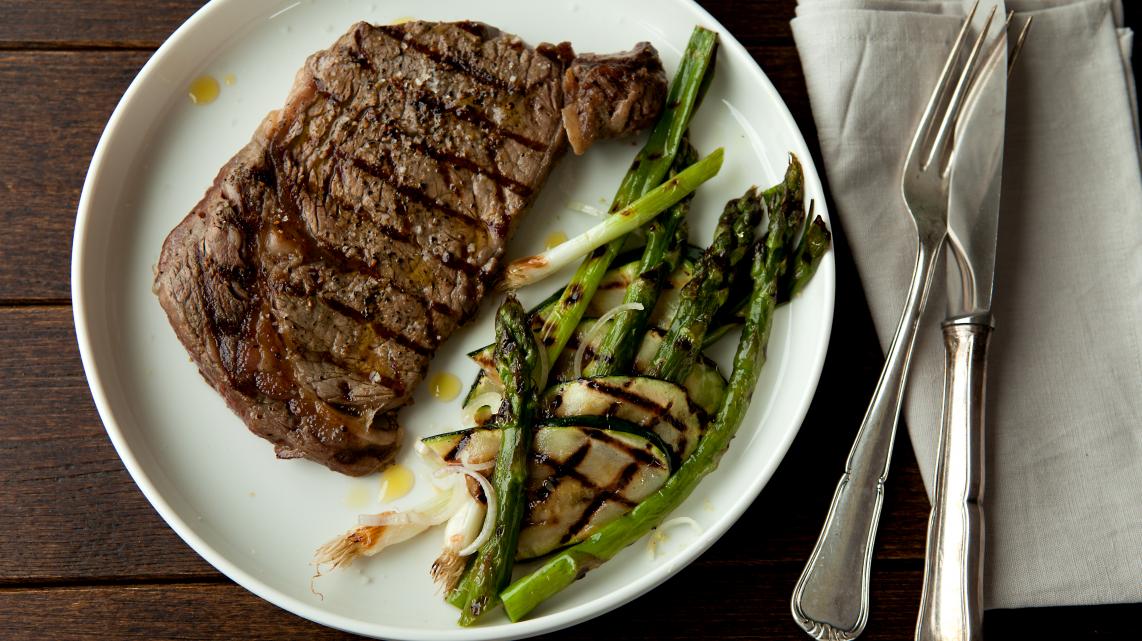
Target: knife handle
951,607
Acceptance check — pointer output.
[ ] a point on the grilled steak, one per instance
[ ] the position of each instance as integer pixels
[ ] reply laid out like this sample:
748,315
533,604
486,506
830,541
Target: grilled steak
360,227
611,95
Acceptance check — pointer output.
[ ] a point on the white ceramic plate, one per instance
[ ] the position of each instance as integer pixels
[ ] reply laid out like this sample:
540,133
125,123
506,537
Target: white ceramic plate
258,519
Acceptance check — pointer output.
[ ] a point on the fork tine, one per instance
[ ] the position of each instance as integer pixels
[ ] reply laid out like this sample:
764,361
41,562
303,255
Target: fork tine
997,46
948,123
975,84
1019,44
928,119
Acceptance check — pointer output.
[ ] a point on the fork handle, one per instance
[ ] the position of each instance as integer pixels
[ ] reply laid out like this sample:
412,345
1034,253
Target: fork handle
951,608
831,597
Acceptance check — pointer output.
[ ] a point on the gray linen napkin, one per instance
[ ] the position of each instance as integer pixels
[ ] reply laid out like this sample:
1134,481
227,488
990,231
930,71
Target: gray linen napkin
1064,484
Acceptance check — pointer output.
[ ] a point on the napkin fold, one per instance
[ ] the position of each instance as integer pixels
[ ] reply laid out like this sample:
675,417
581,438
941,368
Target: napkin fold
1064,453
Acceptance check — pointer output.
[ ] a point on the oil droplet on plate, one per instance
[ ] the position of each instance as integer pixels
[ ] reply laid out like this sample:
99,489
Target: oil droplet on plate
230,79
359,495
396,481
444,386
554,239
402,20
204,90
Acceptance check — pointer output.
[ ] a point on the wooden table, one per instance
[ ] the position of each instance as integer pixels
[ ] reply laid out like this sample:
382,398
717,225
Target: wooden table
84,556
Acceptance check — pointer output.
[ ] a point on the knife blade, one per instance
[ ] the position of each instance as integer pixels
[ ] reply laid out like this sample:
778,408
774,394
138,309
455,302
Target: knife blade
974,192
951,606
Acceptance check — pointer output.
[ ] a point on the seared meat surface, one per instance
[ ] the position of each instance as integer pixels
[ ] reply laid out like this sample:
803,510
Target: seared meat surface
360,227
612,95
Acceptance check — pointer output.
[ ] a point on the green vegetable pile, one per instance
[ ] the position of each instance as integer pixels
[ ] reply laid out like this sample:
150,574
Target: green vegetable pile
610,413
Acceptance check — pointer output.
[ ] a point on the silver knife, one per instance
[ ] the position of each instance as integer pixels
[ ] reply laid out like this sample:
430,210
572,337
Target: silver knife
951,606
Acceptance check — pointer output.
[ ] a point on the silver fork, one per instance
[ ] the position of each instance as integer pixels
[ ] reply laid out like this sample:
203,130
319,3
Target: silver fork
830,600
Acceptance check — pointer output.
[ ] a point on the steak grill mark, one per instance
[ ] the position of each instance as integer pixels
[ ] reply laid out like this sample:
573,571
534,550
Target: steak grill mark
476,117
422,145
466,67
413,193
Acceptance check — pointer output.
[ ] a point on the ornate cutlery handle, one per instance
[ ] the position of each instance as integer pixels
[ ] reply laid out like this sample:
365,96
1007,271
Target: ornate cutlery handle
951,608
831,597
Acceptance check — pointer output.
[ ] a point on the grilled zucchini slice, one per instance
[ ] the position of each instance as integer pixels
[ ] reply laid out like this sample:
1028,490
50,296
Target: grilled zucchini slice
654,405
580,478
705,384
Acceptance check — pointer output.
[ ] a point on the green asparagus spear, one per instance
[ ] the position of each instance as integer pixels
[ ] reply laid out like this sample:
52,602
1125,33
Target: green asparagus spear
805,260
708,290
647,172
613,228
665,238
814,243
573,563
517,358
788,197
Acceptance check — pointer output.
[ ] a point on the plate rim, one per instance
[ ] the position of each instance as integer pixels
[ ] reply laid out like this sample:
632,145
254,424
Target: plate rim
529,627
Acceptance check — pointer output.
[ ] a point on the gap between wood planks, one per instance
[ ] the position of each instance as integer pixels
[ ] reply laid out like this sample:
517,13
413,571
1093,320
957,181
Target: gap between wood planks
78,45
35,302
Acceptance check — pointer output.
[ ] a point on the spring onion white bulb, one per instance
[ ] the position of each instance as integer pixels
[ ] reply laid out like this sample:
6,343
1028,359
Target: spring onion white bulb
489,514
434,511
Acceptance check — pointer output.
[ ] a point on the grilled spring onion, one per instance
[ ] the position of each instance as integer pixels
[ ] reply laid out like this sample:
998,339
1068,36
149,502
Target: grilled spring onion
467,530
532,269
378,531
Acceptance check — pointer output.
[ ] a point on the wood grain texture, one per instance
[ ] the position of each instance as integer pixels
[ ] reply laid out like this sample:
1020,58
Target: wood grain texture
55,107
105,24
69,509
226,611
84,556
210,611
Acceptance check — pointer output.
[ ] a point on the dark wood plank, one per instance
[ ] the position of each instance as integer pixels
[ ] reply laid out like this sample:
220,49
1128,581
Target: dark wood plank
202,611
705,602
69,509
755,22
702,602
109,23
55,107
